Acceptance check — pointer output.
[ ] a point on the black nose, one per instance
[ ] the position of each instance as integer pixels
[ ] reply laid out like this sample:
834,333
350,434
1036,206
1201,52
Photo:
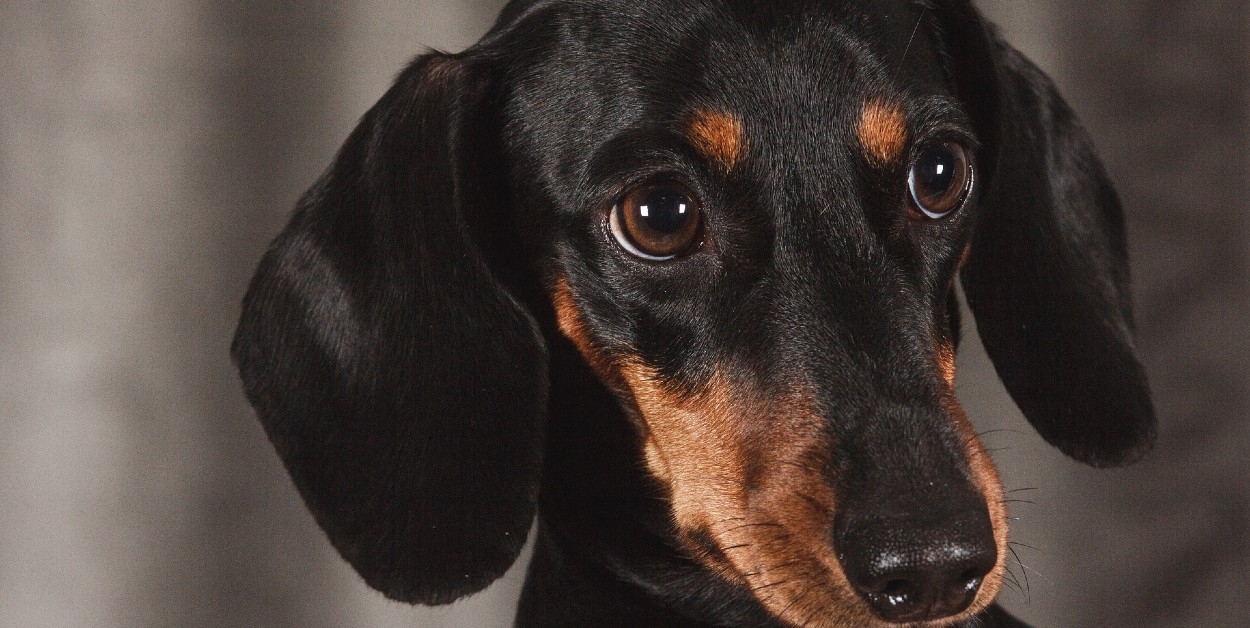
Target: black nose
917,567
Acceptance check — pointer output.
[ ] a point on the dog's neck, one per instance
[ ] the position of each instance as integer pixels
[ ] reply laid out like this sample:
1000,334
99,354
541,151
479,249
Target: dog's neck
566,587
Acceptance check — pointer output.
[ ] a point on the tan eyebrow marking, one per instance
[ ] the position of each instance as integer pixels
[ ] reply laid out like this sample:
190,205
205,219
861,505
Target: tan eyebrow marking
717,136
882,132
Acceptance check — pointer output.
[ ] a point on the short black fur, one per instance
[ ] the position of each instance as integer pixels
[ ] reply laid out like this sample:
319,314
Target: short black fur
401,347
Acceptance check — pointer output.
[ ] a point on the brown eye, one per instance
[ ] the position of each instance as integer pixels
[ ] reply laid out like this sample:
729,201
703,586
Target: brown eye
940,180
657,222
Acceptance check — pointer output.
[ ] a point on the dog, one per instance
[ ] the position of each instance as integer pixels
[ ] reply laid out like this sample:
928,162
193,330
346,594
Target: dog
678,279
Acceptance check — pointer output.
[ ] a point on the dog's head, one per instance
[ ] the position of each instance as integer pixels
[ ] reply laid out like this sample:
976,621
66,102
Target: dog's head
748,218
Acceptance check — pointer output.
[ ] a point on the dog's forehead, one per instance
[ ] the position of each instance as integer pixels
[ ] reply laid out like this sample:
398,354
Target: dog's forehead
727,75
663,34
819,40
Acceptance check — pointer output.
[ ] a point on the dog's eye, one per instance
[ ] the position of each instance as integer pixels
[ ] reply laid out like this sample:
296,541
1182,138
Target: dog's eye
940,180
657,222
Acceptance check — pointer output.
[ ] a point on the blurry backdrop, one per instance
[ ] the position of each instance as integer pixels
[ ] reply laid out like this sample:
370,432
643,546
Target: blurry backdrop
148,152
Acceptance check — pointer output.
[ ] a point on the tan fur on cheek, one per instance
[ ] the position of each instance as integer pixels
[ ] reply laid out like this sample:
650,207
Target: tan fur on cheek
692,445
882,132
744,473
717,136
571,324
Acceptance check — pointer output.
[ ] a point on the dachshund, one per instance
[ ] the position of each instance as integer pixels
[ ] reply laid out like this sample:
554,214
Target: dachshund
677,280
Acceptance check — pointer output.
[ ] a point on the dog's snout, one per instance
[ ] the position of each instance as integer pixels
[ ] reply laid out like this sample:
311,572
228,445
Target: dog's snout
917,568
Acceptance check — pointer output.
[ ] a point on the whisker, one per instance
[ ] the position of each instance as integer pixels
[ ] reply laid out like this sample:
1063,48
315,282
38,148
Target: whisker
802,578
810,617
769,585
1028,588
1028,569
912,39
975,622
999,431
1024,545
781,537
794,600
772,567
764,524
1013,586
1009,578
795,464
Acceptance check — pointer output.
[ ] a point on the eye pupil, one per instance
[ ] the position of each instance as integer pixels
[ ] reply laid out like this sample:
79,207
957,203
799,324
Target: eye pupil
940,179
657,222
936,175
665,210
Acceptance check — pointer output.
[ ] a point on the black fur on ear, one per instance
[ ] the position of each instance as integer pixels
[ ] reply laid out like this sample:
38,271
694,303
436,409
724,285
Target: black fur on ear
401,383
1047,277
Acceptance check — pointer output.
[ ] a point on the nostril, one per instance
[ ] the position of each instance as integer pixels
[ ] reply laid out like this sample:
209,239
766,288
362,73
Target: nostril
970,579
896,588
893,594
896,598
917,589
959,592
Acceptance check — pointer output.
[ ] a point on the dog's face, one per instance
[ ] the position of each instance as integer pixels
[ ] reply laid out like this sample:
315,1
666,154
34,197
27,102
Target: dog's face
753,238
749,219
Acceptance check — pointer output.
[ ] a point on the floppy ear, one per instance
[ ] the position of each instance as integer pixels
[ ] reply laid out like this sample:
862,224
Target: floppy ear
1047,277
403,386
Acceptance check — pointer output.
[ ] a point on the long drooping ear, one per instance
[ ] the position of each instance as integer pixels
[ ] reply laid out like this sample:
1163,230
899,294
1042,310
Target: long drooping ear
1047,277
401,383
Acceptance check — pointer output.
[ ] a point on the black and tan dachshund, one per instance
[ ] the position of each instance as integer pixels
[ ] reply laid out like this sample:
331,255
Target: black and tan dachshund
677,277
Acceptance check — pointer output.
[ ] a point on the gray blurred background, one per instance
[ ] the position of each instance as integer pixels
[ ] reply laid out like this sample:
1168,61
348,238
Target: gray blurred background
149,150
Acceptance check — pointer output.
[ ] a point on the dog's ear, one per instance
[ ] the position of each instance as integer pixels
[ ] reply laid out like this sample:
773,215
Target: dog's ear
401,383
1047,277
